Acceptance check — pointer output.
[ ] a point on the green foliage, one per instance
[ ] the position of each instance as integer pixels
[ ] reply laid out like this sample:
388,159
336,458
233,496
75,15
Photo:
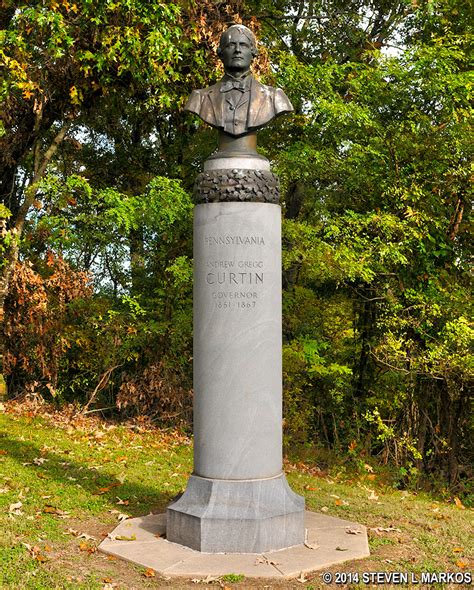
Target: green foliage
375,175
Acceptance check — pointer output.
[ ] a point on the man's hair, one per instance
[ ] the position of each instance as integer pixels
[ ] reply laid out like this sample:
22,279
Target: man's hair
241,29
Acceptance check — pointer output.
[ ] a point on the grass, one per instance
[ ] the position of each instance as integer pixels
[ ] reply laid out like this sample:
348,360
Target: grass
64,479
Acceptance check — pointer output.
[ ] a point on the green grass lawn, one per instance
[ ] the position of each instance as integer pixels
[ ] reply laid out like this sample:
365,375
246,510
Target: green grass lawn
65,482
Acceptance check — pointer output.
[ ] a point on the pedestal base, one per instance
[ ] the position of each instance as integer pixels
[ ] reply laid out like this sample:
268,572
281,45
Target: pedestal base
328,543
235,516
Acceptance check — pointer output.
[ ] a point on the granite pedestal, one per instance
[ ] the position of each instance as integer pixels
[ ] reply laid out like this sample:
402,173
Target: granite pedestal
237,499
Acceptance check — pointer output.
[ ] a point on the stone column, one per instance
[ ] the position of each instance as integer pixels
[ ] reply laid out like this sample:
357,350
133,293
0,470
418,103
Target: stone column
237,499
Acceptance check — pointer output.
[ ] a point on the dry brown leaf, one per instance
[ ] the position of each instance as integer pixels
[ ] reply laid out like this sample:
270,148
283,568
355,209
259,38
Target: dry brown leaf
85,546
302,578
461,564
390,529
373,496
368,468
371,476
324,509
121,502
338,502
15,508
2,452
119,514
351,531
106,489
341,548
72,532
307,543
48,509
208,580
149,573
264,559
458,549
40,460
459,504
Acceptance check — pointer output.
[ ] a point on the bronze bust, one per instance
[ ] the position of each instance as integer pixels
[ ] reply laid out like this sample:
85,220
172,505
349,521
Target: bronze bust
238,104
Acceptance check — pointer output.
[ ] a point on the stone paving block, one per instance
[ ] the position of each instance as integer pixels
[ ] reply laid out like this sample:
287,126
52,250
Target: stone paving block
219,564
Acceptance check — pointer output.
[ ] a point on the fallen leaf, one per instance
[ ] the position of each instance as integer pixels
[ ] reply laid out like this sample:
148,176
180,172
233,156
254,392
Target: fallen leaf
368,468
264,559
35,552
459,504
15,508
302,578
461,564
2,452
85,546
207,580
371,476
121,459
324,509
351,531
125,538
40,460
121,502
458,549
47,548
48,509
373,496
120,515
341,548
106,489
307,543
389,529
107,580
72,532
338,502
149,573
86,537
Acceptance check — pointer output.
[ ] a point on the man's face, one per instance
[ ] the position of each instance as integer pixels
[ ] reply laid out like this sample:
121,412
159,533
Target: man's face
237,54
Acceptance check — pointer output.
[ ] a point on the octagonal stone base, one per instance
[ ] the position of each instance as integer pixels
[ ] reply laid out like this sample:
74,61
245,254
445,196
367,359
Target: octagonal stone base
328,542
235,516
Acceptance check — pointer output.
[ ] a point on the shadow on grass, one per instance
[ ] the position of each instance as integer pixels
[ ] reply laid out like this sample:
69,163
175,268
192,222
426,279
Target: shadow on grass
89,479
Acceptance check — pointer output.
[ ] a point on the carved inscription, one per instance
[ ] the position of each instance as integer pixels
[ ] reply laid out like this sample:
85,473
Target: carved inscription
234,283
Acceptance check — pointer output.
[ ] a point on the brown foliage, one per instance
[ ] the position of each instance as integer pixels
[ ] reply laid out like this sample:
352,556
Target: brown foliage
36,313
157,393
207,20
